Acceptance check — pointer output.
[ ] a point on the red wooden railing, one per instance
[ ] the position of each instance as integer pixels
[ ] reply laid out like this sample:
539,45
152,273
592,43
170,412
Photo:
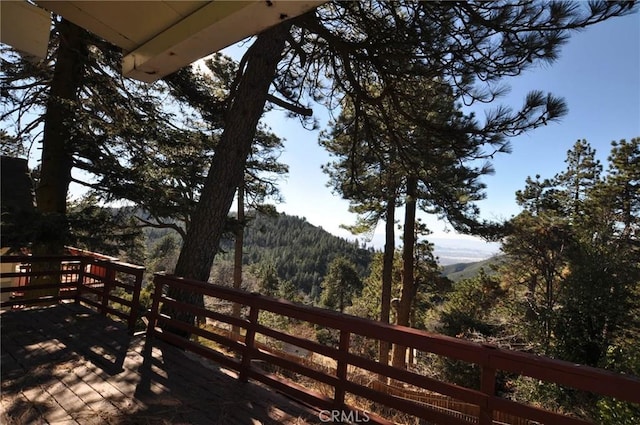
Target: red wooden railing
82,278
488,358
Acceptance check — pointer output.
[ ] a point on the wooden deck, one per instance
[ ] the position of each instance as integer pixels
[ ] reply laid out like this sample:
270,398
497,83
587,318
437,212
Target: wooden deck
67,365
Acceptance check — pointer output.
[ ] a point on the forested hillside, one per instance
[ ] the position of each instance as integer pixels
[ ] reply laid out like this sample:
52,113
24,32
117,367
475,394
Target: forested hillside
299,252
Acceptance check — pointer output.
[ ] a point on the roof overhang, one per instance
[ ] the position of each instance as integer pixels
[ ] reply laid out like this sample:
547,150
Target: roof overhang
25,27
160,37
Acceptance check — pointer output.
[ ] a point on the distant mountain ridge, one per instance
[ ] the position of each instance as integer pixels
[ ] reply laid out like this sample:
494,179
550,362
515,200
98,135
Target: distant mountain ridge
453,250
460,271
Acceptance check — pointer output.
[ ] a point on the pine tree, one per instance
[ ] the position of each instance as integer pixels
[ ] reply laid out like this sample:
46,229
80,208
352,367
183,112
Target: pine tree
340,285
269,281
581,175
537,196
623,184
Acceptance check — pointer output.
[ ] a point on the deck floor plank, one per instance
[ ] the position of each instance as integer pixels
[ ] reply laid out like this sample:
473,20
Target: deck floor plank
66,365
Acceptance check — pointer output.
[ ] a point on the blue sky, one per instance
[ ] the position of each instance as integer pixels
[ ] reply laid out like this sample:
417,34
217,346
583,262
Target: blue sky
598,75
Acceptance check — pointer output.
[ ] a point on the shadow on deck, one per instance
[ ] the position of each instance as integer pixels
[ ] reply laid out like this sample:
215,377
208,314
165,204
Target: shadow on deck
65,364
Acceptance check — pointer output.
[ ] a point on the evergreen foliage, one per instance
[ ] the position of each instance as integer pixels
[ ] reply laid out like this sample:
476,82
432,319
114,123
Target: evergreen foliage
298,251
467,311
340,285
108,231
369,303
572,264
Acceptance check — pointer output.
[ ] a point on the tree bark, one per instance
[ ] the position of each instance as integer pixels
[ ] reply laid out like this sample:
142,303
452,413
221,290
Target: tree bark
57,147
237,254
387,271
227,167
406,299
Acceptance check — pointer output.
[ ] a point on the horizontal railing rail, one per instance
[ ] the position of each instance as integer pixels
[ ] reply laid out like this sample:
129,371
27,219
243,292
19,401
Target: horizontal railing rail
488,358
81,278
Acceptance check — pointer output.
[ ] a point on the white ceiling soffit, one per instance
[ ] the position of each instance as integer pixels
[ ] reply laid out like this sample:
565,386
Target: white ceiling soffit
160,37
25,27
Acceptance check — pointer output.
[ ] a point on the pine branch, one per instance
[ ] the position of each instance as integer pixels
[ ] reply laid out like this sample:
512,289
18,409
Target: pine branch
161,225
300,110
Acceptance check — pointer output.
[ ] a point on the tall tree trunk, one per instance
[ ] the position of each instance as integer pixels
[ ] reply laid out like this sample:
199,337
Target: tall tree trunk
57,149
387,270
57,146
237,254
406,299
227,167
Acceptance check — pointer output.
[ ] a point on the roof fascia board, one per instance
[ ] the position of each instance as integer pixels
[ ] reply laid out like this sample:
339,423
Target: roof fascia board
211,28
80,17
25,27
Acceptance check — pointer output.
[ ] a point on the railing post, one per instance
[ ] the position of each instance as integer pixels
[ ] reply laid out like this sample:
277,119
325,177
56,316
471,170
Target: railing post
341,368
155,305
109,278
249,341
135,301
488,387
80,282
